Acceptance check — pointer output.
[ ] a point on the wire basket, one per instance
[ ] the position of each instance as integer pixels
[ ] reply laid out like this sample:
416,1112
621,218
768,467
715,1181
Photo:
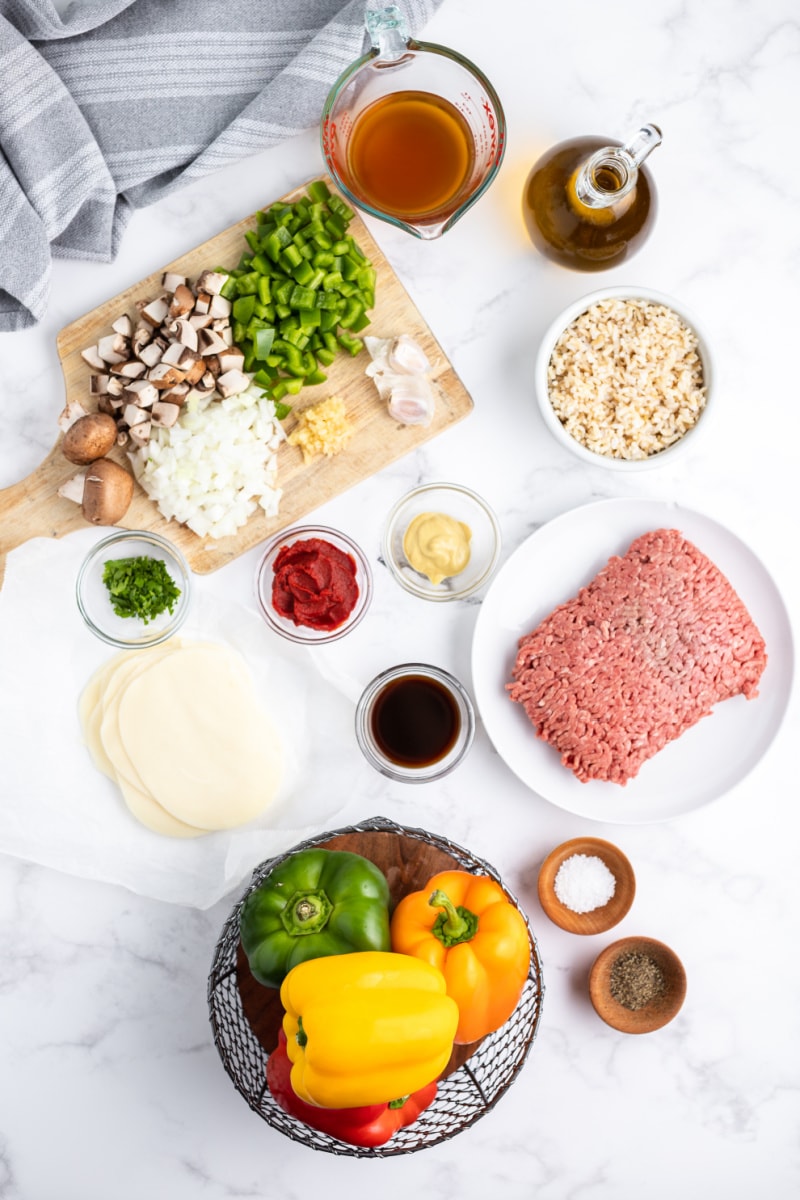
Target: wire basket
245,1016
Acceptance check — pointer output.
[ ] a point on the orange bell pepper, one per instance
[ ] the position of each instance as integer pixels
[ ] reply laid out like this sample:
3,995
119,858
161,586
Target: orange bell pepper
467,927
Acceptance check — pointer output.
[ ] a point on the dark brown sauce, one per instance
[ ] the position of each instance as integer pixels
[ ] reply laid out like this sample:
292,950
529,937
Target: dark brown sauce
415,721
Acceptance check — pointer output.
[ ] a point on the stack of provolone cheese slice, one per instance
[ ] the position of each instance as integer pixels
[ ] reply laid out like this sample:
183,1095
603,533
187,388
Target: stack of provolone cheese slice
181,731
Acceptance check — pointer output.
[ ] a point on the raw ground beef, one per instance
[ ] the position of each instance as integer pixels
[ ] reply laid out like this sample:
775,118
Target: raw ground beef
638,656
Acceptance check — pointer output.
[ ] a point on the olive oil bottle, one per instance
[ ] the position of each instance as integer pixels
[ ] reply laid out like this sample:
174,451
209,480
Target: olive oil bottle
589,204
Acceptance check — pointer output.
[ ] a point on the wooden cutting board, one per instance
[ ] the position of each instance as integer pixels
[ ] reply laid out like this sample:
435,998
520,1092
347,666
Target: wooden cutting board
32,507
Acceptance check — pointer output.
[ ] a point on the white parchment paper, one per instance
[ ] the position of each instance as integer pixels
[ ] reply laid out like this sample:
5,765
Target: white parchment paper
59,811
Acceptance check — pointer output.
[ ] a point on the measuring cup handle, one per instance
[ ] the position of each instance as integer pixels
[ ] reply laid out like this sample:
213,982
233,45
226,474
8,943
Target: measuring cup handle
388,31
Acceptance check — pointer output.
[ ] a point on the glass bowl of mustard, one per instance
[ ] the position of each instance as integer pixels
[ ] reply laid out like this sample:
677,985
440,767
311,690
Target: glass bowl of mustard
442,541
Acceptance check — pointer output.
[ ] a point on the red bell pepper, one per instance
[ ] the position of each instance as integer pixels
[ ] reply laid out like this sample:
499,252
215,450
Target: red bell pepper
369,1125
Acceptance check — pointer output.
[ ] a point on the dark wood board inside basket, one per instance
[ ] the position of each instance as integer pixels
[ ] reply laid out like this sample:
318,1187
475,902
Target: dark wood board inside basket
32,507
408,864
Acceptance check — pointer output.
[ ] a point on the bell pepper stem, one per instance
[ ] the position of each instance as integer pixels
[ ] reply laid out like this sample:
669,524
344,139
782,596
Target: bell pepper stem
453,925
306,912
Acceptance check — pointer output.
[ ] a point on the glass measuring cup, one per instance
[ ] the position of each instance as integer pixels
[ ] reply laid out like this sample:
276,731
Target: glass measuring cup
429,105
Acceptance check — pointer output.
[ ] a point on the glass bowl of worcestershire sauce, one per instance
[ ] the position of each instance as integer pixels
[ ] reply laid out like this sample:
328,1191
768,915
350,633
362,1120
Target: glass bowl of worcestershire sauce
414,723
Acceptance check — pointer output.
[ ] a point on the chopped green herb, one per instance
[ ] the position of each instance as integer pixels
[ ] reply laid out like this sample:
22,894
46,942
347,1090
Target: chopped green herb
140,587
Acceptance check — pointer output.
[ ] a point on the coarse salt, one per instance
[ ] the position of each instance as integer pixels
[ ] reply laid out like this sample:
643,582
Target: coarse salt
583,883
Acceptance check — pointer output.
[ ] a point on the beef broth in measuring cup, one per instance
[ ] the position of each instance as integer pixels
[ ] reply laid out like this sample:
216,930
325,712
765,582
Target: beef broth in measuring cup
412,133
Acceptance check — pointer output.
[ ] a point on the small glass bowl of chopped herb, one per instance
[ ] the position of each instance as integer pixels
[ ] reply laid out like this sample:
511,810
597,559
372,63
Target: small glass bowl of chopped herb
133,589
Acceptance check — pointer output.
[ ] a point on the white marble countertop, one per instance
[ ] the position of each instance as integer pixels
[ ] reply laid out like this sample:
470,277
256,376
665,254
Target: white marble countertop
111,1086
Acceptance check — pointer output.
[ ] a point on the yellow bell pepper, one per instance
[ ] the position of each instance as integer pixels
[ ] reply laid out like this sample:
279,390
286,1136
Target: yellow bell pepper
366,1028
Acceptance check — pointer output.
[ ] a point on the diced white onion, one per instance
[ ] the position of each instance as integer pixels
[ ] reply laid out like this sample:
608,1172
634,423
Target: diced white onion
218,462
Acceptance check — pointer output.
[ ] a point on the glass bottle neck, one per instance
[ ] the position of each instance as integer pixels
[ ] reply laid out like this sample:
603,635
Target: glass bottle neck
610,174
605,178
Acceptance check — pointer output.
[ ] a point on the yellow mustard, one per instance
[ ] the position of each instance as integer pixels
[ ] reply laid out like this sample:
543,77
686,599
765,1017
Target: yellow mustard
437,545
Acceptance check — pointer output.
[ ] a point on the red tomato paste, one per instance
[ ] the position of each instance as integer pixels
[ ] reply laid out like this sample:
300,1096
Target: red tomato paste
315,584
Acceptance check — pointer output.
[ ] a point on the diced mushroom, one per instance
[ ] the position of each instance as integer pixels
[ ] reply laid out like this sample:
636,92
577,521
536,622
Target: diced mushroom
165,375
173,354
211,282
220,307
171,282
142,334
155,311
98,385
231,383
200,320
132,369
182,302
212,366
72,488
204,386
123,325
164,414
196,370
116,386
231,360
142,392
210,342
72,411
203,303
114,348
186,333
134,415
175,395
151,354
140,433
91,356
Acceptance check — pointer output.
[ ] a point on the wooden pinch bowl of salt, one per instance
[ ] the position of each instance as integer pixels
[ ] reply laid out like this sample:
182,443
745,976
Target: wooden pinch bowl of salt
586,885
637,985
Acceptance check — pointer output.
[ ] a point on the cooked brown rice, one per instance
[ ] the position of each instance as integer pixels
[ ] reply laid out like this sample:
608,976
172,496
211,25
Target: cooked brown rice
626,378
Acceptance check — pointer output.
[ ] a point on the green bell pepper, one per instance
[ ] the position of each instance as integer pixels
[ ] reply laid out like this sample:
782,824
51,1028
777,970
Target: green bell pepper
315,903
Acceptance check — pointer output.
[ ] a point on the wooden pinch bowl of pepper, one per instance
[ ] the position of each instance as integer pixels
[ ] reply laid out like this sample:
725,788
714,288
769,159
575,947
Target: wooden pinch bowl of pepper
637,985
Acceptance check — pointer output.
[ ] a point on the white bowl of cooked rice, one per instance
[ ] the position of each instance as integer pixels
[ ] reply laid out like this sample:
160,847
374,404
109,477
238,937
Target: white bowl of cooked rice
623,378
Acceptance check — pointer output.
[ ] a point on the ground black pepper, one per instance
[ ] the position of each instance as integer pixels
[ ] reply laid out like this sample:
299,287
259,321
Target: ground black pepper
636,979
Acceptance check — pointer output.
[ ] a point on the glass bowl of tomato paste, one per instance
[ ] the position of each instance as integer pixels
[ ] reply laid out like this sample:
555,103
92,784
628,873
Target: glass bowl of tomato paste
313,584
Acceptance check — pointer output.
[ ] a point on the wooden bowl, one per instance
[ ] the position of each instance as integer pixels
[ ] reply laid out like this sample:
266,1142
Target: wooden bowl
245,1016
659,1011
599,919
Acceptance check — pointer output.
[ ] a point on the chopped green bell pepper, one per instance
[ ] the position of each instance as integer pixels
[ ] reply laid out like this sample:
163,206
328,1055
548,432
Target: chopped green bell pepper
315,903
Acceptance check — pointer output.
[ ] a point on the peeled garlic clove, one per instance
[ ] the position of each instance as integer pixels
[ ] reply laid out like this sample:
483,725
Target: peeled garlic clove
377,348
412,401
407,357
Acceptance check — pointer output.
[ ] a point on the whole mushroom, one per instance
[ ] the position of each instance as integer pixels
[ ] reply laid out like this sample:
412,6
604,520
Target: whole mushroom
89,438
104,491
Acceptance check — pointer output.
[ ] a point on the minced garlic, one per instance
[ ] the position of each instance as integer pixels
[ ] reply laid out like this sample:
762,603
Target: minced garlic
322,429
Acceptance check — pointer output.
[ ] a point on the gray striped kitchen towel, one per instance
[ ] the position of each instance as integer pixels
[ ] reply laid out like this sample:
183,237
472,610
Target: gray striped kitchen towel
108,105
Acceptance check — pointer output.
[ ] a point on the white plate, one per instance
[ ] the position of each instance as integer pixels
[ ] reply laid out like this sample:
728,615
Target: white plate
548,569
